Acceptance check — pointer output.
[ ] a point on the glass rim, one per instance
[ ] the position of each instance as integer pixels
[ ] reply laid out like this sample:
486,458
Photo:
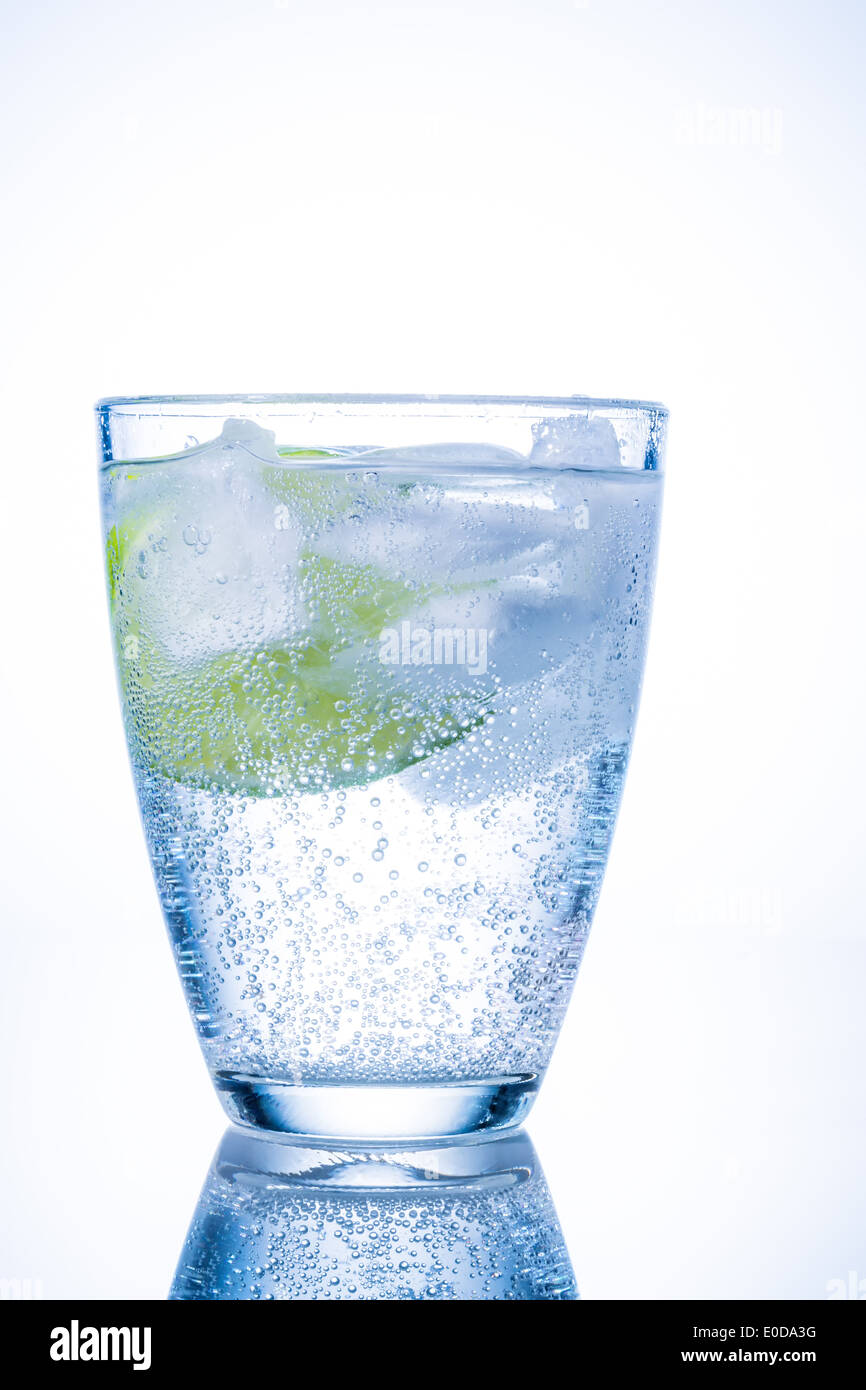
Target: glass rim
516,404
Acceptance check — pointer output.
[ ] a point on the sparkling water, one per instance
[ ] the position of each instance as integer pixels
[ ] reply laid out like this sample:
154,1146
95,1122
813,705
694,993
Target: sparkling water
379,706
279,1222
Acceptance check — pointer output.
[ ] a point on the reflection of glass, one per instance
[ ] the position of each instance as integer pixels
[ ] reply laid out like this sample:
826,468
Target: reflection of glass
471,1221
379,662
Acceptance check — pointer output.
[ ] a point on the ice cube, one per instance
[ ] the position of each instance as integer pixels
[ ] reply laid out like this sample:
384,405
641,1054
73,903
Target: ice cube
576,441
203,551
246,434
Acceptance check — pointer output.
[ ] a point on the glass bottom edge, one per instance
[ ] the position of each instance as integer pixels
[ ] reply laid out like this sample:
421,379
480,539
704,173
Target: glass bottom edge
386,1113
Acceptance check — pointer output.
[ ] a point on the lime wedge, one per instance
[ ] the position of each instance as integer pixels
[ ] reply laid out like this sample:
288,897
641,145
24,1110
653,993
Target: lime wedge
287,720
314,712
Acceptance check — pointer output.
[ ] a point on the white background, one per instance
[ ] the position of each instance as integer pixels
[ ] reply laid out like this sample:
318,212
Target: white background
486,196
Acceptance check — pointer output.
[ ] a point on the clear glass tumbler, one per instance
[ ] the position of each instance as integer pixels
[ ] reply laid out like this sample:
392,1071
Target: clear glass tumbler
473,1221
379,661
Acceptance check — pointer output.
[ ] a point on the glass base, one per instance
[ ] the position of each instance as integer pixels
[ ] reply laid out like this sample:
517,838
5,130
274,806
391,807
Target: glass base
371,1114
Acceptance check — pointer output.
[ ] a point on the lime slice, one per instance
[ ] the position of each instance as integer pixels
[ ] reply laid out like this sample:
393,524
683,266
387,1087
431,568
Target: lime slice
316,712
287,720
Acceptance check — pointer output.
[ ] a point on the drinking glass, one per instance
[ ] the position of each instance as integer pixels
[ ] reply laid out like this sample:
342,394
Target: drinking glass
379,661
469,1221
